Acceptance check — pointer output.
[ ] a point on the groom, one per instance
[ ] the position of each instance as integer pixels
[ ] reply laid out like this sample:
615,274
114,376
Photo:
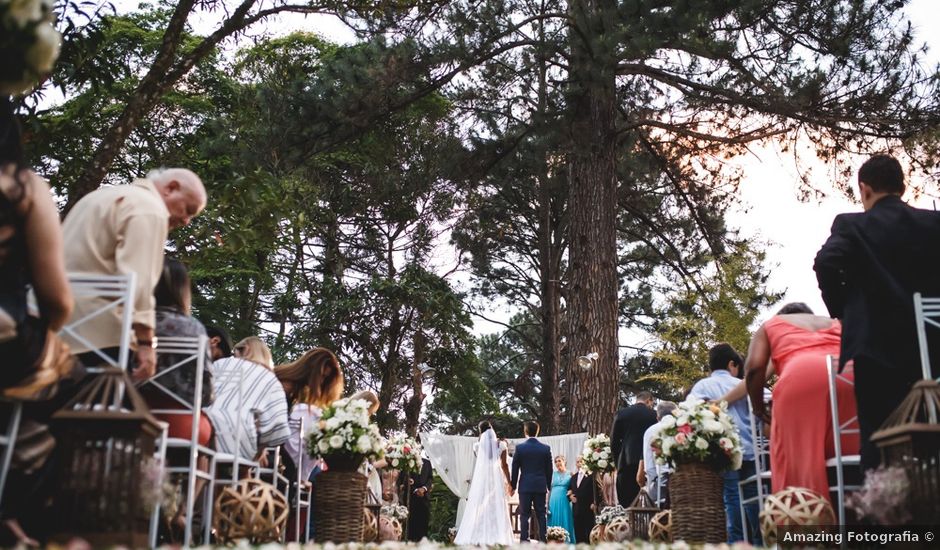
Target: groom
535,461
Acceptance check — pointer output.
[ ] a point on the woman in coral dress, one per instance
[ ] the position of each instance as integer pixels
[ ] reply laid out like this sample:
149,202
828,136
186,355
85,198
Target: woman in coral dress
795,344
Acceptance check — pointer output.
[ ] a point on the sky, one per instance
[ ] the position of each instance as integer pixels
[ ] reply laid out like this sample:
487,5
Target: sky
769,207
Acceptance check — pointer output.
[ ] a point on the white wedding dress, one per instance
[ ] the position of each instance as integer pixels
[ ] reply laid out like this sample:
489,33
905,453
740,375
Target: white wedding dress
486,516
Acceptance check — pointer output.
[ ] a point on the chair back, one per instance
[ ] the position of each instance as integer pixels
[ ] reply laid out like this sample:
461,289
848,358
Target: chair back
840,429
927,312
119,292
187,353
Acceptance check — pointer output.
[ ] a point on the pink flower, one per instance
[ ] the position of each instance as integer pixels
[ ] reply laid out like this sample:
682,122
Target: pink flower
685,429
681,438
406,449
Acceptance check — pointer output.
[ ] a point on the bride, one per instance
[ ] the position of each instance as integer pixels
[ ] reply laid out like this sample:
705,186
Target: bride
486,515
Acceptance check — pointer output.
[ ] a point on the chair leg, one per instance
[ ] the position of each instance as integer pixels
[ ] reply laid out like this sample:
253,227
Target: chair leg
12,429
209,504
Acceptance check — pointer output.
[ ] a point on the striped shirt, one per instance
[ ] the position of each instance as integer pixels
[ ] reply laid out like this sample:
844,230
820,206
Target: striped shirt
250,408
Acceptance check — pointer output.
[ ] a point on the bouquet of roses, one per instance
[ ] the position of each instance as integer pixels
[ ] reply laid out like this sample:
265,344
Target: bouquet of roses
404,454
344,429
609,514
556,534
698,432
596,457
29,43
395,511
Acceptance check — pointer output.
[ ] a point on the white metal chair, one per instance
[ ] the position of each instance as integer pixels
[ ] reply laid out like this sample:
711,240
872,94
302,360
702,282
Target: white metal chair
191,354
762,473
233,460
118,290
303,495
8,441
840,461
927,312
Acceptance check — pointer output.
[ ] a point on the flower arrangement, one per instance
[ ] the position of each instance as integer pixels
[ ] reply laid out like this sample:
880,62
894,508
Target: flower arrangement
596,457
884,498
344,431
404,454
396,511
609,514
556,534
29,43
697,431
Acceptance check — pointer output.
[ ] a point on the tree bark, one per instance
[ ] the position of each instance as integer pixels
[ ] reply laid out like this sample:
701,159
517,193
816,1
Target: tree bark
592,205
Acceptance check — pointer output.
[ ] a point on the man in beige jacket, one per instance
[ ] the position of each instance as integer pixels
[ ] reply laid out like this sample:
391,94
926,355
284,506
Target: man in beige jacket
121,229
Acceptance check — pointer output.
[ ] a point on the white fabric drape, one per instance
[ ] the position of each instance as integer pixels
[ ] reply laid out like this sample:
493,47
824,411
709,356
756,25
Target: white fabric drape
453,459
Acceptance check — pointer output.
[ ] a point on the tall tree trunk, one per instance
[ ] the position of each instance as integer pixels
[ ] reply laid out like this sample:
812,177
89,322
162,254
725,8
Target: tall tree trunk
592,205
413,408
550,310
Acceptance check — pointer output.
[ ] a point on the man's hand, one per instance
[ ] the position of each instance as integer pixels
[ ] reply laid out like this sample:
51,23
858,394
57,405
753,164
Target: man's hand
573,499
421,491
146,363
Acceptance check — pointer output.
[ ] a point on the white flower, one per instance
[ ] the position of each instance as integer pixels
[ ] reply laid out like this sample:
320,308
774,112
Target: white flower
23,12
605,454
395,463
668,442
668,421
712,426
323,445
45,50
364,443
602,463
725,443
336,442
701,443
683,420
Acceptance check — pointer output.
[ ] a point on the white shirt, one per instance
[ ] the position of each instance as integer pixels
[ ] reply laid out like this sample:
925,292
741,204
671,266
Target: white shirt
649,458
296,446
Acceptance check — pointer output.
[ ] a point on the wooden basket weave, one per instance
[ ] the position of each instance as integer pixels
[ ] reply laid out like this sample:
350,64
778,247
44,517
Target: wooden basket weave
698,510
338,500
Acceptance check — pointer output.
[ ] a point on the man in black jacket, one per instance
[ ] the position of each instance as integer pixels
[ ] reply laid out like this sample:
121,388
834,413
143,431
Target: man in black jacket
626,442
419,502
868,271
581,493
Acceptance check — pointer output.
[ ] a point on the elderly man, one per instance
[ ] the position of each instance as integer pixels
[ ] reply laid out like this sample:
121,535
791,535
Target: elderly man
119,230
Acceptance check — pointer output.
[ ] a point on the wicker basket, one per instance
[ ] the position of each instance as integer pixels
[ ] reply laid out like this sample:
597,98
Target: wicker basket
698,511
338,500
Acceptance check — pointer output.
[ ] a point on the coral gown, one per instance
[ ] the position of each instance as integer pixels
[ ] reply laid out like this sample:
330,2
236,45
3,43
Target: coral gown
801,436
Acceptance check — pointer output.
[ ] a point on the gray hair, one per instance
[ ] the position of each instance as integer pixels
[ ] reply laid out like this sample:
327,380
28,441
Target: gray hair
664,408
156,173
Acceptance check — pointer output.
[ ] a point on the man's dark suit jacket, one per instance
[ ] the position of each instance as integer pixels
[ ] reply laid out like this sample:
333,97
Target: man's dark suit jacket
535,461
626,436
584,494
869,270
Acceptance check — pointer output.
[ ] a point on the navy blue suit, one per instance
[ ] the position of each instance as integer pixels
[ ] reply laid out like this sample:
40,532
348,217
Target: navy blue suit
534,459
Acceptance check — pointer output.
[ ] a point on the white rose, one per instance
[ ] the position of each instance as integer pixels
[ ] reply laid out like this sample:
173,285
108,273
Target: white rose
323,445
667,445
700,443
45,50
602,463
395,463
364,443
605,454
668,421
24,12
336,442
712,426
333,423
707,414
725,443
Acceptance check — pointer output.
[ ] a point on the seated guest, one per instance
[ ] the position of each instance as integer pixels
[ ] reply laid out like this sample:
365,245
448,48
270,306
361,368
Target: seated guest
651,475
801,438
310,383
173,297
33,358
250,409
220,344
725,364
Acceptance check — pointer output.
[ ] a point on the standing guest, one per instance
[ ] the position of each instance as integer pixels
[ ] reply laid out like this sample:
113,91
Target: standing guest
33,357
310,383
419,502
582,492
220,345
534,460
119,230
794,345
250,408
651,475
559,507
868,271
726,364
626,442
173,297
369,468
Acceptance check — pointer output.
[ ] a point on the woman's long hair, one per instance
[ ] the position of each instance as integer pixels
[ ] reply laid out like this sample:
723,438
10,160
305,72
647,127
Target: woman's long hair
11,152
316,376
174,288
